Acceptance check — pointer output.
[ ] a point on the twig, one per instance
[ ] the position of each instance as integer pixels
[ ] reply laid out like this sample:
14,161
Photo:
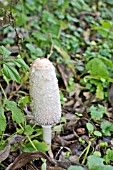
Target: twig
52,46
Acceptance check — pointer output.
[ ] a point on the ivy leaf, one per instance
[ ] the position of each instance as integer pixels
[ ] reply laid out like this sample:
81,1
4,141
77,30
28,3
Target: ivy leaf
106,128
39,36
35,52
109,156
30,47
106,167
17,115
94,161
97,113
2,120
96,67
4,52
54,31
104,32
11,73
75,168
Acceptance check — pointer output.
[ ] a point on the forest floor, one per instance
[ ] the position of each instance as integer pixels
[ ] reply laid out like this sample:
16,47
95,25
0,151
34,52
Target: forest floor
78,38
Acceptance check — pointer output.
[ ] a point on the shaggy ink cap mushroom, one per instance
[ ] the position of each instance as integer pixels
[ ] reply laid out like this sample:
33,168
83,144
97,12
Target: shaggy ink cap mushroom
44,91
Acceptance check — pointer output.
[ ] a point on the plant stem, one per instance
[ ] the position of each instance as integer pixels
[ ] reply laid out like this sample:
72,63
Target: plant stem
31,143
29,138
3,91
1,164
87,151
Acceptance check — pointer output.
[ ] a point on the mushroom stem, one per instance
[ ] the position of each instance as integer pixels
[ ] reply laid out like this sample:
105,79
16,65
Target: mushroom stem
47,134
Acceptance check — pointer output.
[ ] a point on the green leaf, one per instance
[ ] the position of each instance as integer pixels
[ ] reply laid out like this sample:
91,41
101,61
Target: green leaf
97,133
108,167
48,17
66,57
28,130
54,31
21,19
39,52
96,67
23,101
106,128
90,127
106,23
94,161
4,52
103,144
31,48
105,167
11,73
97,113
107,61
2,120
21,63
97,153
40,36
80,5
17,114
36,52
41,146
75,168
105,32
58,128
109,156
98,167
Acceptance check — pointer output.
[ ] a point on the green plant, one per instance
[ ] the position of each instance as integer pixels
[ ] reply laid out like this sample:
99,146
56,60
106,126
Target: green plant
107,128
72,167
109,156
96,163
97,113
71,85
7,66
92,131
62,98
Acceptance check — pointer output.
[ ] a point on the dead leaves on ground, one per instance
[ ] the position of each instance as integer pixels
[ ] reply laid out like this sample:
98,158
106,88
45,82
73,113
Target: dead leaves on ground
26,157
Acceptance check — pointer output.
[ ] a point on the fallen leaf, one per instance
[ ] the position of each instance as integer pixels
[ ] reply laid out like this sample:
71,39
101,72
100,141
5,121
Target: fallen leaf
81,130
5,153
26,157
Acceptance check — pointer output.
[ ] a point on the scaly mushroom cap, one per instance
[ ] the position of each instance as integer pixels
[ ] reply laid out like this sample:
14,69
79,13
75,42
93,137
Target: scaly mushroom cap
44,92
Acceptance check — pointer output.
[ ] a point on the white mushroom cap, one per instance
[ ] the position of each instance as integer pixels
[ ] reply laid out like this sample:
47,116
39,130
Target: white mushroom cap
44,92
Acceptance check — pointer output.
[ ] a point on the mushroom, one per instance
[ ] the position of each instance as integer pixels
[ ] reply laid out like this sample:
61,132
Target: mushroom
44,92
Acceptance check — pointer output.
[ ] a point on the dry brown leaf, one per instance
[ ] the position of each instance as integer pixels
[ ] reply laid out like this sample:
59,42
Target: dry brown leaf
81,130
5,153
26,157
